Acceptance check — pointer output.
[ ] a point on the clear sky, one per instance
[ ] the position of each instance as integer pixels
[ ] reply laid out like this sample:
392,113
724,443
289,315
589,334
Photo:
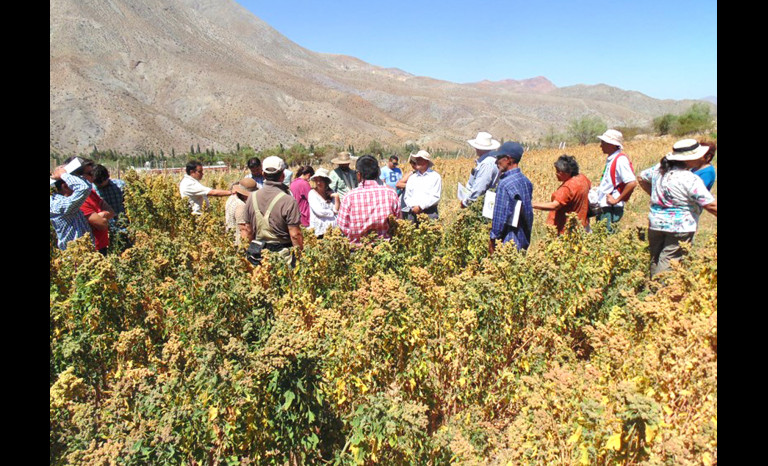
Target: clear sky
666,49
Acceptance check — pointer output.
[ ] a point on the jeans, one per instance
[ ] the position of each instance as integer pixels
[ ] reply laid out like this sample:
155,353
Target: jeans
611,215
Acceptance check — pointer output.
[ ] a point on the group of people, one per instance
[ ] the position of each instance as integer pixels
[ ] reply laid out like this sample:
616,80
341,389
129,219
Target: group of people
361,200
84,200
267,208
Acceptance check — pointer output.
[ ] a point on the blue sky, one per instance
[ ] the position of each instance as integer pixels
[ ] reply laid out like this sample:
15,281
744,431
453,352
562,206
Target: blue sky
666,49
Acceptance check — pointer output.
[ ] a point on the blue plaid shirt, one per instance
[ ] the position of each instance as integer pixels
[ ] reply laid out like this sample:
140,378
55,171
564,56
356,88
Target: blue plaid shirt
113,194
67,218
513,186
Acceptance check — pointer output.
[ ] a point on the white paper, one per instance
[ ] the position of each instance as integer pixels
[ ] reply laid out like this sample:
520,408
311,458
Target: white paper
73,165
515,214
490,201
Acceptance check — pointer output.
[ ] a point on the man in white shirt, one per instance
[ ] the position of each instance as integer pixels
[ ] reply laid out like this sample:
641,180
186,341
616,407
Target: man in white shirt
423,189
618,180
190,187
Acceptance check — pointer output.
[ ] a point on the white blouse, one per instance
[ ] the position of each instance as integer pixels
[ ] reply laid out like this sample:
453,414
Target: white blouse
322,214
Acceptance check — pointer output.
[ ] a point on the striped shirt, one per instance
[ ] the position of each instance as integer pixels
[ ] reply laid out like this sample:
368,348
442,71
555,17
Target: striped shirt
367,208
513,187
67,218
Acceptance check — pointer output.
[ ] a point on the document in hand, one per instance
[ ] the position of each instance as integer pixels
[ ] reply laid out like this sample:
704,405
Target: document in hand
490,201
462,192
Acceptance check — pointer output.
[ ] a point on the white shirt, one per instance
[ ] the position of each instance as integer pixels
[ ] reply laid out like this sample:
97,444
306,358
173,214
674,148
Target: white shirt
322,214
423,189
196,192
624,175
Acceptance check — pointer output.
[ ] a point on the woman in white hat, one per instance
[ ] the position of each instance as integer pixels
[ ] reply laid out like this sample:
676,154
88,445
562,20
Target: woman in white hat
677,197
323,203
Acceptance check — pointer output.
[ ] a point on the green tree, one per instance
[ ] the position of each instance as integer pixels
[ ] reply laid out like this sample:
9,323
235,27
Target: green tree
664,124
586,129
696,119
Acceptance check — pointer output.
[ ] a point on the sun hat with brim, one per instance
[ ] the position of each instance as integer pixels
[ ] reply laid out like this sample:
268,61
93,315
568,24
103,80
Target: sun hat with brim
246,186
687,149
321,173
484,141
613,137
343,158
272,165
509,149
422,154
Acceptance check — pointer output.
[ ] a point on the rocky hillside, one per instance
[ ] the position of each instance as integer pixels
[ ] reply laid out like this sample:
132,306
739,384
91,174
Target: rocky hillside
135,75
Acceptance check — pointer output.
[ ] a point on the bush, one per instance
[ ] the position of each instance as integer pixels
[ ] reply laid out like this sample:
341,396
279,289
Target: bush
586,129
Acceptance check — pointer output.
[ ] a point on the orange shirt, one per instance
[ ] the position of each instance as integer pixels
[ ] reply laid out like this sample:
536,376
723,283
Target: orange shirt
573,194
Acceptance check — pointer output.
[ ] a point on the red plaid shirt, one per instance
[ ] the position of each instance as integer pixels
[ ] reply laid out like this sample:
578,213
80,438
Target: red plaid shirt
367,208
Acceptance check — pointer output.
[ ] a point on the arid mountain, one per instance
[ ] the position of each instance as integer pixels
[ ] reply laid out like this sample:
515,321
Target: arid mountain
137,75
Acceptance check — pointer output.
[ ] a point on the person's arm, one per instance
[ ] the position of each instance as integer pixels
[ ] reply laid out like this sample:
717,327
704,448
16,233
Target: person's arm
644,185
107,212
98,221
296,237
403,181
319,207
484,174
65,205
221,192
711,207
553,205
624,194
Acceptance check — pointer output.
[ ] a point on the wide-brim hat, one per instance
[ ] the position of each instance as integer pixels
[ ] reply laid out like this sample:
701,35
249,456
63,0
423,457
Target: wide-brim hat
343,158
422,154
322,173
509,149
687,149
484,141
613,137
245,186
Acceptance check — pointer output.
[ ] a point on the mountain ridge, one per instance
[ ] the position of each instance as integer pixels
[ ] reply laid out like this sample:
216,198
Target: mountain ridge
145,75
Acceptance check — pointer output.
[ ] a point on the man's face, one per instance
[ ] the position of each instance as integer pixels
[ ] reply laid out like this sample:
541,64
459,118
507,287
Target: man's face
197,173
504,163
392,164
87,173
562,176
607,149
421,165
256,171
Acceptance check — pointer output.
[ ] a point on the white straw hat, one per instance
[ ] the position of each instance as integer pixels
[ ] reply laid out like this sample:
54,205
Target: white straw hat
484,141
422,154
687,149
613,137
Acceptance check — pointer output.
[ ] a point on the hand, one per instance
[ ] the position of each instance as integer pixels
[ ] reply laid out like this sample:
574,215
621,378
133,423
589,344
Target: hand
416,209
58,171
461,205
610,200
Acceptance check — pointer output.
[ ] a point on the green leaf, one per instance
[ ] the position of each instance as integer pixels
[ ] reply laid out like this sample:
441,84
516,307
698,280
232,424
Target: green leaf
289,397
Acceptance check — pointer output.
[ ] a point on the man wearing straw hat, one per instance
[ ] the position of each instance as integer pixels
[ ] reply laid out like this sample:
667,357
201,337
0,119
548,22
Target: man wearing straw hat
343,178
423,189
618,179
485,175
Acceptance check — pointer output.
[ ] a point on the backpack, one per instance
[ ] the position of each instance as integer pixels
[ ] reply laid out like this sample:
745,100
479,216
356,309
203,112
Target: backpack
263,233
620,187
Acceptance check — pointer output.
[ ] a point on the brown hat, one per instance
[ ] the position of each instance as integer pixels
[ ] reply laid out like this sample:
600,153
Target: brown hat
344,158
246,186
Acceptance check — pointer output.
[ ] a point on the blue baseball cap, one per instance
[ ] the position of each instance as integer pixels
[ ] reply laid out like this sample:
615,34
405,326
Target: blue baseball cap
509,149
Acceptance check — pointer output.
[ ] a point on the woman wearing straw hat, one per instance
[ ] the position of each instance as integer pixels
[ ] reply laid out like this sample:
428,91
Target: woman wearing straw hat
234,210
677,197
343,179
323,203
423,189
